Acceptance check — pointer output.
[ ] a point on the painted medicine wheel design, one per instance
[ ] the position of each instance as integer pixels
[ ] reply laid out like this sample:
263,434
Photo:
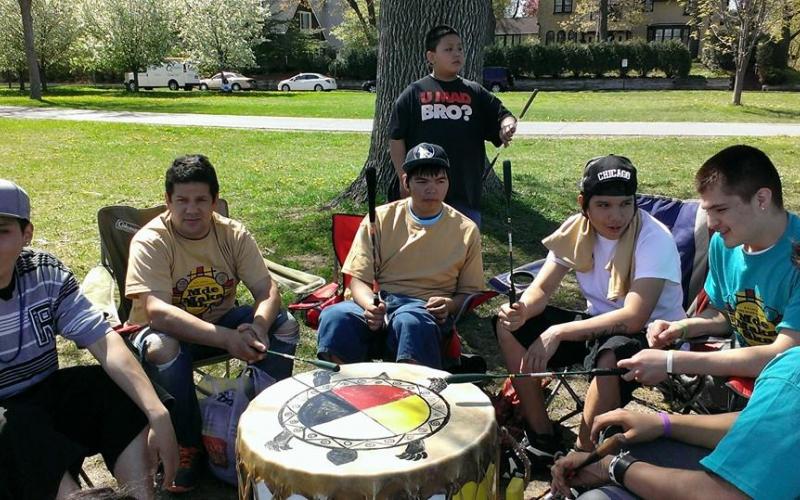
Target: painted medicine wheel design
364,413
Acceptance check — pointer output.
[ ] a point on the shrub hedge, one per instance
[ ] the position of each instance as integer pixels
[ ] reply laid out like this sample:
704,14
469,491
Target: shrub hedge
595,59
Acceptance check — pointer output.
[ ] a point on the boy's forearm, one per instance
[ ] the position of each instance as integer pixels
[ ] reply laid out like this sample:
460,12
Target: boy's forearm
120,365
738,362
653,482
701,430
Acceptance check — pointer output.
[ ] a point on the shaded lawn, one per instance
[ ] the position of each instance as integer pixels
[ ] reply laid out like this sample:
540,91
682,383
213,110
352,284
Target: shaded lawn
648,106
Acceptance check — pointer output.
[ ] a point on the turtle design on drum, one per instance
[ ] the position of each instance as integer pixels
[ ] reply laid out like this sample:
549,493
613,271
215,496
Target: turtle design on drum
362,413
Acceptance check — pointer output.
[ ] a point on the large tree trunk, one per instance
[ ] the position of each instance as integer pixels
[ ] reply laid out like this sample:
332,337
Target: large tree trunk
401,60
602,21
30,49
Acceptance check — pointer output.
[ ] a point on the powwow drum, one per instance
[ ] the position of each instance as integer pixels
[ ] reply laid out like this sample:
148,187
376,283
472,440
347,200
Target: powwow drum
372,430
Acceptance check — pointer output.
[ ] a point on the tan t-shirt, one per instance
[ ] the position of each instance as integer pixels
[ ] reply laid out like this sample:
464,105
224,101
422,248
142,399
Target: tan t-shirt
440,260
200,275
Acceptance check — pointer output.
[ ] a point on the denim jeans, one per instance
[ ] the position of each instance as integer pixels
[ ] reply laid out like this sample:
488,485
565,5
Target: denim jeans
176,378
411,332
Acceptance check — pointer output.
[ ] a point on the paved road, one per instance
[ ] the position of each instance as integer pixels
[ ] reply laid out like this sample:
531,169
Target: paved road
525,129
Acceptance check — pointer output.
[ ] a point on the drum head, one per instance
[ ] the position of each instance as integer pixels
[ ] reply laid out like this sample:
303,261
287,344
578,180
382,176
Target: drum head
372,430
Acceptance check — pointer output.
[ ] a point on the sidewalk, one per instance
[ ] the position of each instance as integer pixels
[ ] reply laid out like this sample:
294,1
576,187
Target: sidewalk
525,129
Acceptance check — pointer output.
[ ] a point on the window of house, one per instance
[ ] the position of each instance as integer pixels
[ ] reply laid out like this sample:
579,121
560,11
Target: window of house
549,38
305,20
663,33
572,36
562,6
561,37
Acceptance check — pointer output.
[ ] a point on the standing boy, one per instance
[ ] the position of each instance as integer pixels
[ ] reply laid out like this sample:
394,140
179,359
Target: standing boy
457,114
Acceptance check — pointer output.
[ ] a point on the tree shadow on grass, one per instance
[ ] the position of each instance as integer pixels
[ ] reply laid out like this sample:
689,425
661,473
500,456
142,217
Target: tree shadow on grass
529,226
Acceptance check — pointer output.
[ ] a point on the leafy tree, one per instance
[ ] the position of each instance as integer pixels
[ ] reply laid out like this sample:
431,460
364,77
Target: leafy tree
56,29
295,49
30,49
221,34
129,35
737,27
12,46
601,16
359,27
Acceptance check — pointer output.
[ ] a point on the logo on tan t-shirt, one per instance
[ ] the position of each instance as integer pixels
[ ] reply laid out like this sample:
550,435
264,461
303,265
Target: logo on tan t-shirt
200,291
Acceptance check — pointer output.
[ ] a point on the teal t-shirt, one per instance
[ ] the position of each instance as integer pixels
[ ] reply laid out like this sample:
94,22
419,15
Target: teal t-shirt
760,291
760,455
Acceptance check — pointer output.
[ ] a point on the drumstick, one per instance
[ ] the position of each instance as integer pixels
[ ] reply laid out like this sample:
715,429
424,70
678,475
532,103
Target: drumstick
609,446
512,290
316,362
370,175
462,378
521,116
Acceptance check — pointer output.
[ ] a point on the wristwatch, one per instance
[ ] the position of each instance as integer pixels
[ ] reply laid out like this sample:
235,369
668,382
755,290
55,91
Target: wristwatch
619,466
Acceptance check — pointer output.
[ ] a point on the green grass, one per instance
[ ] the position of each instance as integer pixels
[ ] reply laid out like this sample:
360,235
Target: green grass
648,106
276,183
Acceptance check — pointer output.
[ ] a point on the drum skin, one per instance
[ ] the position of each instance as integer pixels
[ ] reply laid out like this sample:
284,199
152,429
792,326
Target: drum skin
371,431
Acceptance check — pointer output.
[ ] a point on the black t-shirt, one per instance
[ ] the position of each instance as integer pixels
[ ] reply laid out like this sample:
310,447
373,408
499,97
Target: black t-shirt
459,116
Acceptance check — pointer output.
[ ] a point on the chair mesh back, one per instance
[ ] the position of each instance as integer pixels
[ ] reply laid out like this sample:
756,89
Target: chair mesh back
117,225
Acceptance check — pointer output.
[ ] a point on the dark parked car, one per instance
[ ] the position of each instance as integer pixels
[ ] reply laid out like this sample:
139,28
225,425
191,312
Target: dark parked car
497,79
369,86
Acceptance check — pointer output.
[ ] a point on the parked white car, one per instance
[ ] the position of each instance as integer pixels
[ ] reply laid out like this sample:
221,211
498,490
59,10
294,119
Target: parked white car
170,74
308,81
237,81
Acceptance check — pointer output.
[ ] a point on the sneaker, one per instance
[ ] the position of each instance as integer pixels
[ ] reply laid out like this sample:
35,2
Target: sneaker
191,460
542,449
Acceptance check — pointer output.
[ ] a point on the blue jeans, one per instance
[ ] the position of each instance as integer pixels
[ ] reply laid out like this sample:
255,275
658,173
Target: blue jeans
411,332
176,377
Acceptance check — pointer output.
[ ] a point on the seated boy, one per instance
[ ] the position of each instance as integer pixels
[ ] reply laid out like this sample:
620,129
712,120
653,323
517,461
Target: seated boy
183,270
628,269
429,261
753,281
51,419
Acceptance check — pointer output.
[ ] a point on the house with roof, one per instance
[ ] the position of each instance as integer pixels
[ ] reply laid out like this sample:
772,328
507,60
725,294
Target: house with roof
660,20
319,16
516,30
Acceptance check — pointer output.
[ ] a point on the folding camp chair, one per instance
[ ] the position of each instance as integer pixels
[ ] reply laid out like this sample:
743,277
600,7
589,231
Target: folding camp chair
343,231
687,223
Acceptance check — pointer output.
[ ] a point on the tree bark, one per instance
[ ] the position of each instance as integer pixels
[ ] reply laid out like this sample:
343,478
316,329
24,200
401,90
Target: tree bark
602,21
30,49
401,60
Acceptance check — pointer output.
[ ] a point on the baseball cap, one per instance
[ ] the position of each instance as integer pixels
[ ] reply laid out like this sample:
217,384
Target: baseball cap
425,154
14,201
609,175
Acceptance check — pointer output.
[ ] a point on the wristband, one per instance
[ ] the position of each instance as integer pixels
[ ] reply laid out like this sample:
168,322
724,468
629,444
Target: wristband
667,425
669,361
619,466
684,331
